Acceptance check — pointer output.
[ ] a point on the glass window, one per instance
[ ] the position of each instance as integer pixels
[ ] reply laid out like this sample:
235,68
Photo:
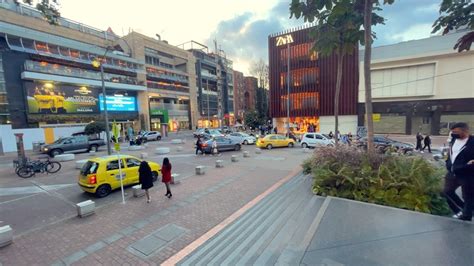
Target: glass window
113,165
63,51
131,162
14,40
89,168
319,137
310,136
273,137
42,47
54,49
28,44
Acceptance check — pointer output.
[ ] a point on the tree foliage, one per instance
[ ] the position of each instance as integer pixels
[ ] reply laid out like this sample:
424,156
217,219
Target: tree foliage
252,119
260,70
49,9
454,15
94,128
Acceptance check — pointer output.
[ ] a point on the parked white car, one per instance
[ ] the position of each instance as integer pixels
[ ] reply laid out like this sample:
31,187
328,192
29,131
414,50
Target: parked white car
315,139
151,135
242,138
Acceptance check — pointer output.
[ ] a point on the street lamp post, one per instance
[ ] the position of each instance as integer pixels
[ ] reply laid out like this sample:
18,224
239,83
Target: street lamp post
104,96
288,88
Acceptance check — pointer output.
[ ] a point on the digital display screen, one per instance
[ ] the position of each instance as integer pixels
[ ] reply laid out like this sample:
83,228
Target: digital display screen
119,103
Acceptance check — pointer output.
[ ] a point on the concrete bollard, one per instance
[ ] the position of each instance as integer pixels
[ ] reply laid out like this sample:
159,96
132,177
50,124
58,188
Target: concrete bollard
176,141
85,208
81,163
234,158
138,191
163,150
258,151
219,164
200,170
6,235
173,177
143,155
306,150
135,148
65,157
92,153
180,148
246,154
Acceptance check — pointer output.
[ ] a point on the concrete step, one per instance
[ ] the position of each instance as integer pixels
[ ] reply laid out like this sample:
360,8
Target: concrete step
260,211
261,236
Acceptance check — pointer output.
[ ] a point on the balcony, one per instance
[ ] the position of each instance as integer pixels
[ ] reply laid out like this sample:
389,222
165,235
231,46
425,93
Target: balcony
208,75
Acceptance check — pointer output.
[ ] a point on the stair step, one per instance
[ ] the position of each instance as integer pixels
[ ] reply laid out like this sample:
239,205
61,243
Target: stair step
218,242
260,233
285,224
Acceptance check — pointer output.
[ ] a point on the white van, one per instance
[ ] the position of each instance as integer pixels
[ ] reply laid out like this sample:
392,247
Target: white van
316,139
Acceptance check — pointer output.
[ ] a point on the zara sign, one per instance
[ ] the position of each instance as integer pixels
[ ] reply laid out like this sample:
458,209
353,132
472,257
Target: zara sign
282,40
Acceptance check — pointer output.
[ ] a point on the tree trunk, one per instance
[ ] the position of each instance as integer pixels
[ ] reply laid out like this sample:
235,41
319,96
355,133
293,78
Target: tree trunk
367,74
340,59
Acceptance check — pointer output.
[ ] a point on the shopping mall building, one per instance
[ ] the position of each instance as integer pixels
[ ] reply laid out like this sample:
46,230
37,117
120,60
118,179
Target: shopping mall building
312,85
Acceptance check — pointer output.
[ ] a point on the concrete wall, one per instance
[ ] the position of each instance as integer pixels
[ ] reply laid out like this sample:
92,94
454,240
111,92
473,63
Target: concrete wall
347,123
31,135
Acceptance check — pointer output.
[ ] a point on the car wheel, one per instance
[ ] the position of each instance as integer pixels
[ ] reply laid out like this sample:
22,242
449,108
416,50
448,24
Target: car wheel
291,145
304,146
154,176
237,147
94,148
269,146
158,138
246,142
56,152
103,191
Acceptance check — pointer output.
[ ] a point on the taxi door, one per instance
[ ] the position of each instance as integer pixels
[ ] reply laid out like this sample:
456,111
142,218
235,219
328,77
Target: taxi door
131,170
113,174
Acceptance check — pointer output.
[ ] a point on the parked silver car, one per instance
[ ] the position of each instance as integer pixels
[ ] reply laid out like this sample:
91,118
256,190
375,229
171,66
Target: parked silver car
223,144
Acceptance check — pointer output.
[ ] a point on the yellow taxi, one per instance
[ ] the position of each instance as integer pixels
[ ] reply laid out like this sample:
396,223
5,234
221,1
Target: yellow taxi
101,175
273,140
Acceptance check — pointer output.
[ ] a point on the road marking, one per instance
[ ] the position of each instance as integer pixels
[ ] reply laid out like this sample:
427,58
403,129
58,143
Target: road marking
216,229
32,189
9,201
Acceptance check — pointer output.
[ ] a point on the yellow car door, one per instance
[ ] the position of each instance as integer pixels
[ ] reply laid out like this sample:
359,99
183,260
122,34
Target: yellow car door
132,170
113,174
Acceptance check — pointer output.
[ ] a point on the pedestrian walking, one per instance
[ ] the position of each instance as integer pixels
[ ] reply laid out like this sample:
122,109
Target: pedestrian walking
460,166
331,135
275,130
427,143
145,178
166,176
214,149
419,139
199,145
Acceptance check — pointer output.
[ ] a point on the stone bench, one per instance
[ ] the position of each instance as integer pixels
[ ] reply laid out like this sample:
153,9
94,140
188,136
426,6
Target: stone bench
200,170
6,235
173,179
177,141
219,164
163,150
92,153
143,155
258,151
135,148
138,191
234,158
85,208
180,148
246,154
80,163
65,157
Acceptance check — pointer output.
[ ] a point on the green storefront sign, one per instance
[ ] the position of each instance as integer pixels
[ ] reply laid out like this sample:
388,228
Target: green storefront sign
162,113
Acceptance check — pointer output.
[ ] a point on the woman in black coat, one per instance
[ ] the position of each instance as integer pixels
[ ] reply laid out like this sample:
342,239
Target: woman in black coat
145,178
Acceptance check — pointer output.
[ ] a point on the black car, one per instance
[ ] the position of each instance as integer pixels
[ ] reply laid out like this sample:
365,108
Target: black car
382,143
223,144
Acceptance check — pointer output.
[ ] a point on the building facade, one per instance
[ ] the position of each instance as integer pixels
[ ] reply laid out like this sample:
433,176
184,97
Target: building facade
250,93
238,95
420,86
311,86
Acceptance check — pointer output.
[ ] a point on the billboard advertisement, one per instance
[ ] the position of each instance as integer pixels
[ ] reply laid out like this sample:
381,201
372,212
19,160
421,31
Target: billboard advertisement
49,98
119,103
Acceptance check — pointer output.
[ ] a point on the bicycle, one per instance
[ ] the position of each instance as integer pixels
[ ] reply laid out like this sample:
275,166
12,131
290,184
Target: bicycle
30,168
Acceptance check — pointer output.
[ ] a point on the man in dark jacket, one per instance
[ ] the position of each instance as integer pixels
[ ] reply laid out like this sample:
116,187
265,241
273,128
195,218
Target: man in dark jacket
460,166
419,139
427,142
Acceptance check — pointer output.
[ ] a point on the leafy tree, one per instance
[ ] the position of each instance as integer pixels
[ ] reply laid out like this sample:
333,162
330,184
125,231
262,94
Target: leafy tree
339,29
251,119
94,128
262,104
457,14
260,70
49,9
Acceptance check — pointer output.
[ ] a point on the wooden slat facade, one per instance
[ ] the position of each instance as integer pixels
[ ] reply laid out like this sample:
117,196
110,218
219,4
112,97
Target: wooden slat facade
325,84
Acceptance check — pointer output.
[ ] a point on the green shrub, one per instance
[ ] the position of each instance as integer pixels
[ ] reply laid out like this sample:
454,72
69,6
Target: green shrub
407,182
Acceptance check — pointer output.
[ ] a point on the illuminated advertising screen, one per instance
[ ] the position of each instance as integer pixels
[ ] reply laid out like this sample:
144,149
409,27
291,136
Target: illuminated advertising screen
119,103
57,98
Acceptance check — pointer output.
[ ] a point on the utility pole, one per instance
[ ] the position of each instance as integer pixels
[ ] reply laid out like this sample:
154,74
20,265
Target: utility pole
288,87
207,94
220,85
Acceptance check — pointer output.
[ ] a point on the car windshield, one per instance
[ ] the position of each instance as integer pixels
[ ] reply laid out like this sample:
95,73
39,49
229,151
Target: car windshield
89,168
245,135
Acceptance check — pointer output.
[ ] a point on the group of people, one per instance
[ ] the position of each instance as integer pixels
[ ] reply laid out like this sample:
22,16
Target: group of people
145,177
423,142
200,146
343,138
460,166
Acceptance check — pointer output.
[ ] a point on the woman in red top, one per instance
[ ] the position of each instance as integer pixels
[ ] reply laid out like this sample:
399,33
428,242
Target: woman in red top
166,173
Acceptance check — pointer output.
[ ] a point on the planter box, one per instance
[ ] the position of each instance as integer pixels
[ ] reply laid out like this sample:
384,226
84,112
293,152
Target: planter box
180,148
219,164
234,158
65,157
6,235
135,148
138,191
163,150
85,208
246,154
81,163
200,170
177,141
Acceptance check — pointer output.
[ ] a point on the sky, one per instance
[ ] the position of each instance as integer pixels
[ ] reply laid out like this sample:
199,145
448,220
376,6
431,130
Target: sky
241,27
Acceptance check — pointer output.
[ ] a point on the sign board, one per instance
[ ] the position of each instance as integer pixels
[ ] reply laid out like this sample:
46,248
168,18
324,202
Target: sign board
376,117
283,40
160,112
119,103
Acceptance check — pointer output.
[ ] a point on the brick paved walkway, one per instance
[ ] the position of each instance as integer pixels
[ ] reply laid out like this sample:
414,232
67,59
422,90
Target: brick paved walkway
198,204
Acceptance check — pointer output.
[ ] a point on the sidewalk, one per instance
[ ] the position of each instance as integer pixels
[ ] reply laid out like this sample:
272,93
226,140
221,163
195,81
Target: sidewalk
138,233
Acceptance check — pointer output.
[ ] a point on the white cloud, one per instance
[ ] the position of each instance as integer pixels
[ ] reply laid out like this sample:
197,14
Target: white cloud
414,32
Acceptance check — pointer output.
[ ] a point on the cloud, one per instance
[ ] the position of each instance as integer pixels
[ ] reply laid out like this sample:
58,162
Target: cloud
414,32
